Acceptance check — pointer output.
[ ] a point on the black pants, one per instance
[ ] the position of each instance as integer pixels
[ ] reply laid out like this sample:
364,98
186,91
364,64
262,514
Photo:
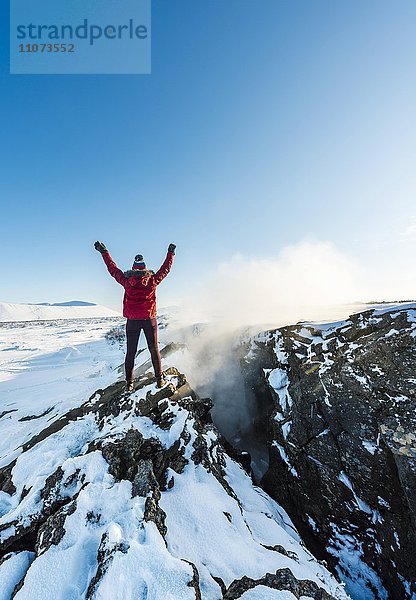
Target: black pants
133,330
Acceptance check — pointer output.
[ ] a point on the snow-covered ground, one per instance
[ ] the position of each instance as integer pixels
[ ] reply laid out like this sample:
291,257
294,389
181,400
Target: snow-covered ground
46,312
48,368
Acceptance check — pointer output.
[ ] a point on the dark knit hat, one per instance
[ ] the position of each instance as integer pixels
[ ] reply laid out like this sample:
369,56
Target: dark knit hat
139,262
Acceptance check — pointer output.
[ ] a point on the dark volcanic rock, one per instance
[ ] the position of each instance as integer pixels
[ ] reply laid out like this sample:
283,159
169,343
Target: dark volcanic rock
53,530
6,481
342,436
283,579
105,556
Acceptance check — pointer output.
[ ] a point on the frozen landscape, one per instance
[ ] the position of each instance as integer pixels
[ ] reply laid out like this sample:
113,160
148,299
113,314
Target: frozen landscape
109,495
112,496
234,183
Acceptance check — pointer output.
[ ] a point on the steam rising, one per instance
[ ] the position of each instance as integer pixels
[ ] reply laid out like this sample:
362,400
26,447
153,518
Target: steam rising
309,281
306,281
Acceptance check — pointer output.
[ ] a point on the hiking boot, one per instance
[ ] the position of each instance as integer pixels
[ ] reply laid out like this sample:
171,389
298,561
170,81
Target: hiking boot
160,382
130,386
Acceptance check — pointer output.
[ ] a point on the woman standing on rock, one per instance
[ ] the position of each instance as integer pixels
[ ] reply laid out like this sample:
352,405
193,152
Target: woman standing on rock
139,307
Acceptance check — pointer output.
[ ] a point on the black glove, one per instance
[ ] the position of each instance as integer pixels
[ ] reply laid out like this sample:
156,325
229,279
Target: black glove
99,246
172,248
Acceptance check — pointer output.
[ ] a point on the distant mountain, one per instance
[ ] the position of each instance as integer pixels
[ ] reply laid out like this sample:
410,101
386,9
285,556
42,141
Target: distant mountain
49,312
71,303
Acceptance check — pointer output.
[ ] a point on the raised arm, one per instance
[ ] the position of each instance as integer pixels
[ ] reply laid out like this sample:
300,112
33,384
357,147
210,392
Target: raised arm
111,265
166,267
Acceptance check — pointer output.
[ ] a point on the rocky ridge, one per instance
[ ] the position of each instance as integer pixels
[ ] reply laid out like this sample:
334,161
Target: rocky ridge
136,495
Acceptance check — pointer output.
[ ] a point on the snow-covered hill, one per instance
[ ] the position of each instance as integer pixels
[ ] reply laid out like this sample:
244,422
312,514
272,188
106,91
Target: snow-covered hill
48,312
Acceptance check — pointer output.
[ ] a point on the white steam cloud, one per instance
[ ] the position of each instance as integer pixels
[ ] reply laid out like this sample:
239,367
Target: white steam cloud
306,281
310,281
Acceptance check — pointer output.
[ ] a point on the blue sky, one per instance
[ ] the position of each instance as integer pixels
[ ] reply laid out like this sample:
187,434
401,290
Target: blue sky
263,123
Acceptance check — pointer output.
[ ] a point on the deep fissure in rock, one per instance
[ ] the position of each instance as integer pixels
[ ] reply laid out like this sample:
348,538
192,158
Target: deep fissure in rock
353,452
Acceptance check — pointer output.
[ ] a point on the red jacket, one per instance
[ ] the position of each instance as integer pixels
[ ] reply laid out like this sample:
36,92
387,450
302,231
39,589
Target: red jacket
139,300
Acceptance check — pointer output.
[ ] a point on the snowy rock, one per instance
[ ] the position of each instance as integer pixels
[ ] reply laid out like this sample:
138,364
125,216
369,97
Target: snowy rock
135,495
341,428
282,580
